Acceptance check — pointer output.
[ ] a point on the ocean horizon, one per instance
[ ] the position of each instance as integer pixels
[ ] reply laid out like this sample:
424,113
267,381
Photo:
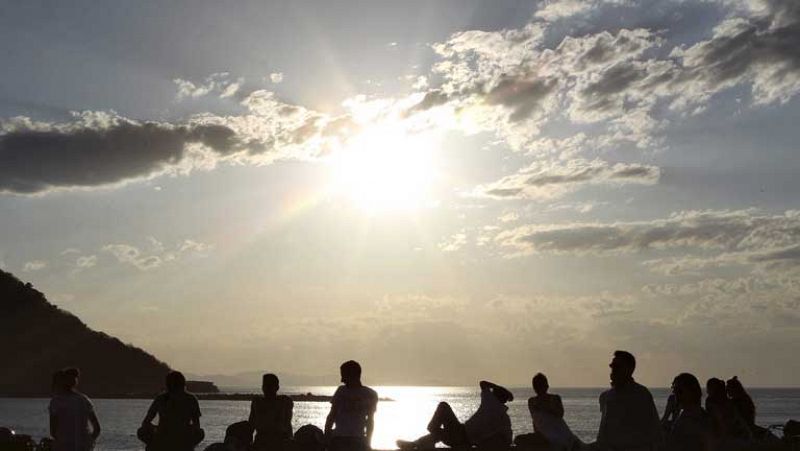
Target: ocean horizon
405,417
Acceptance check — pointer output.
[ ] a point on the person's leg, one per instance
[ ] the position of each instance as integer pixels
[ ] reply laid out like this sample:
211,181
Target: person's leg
443,419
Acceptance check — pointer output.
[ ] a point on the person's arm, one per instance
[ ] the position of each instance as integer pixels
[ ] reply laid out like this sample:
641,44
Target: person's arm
195,412
656,430
331,417
289,414
53,425
95,425
252,418
151,413
370,428
558,406
371,419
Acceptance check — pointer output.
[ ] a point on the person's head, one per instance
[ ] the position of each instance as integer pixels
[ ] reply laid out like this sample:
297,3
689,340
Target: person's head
351,372
715,388
687,390
622,366
270,384
540,385
502,394
175,382
69,378
734,387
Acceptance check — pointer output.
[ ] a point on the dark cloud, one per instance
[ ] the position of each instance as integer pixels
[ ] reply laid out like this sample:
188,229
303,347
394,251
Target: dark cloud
522,96
33,160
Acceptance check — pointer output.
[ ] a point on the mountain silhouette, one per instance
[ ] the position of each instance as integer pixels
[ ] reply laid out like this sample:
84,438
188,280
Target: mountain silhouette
37,338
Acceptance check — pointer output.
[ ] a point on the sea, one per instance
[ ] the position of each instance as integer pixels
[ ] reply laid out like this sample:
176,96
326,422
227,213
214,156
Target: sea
404,417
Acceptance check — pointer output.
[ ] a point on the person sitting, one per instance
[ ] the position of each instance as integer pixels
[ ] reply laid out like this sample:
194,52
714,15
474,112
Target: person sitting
745,407
629,420
727,424
489,425
547,414
271,416
351,420
691,428
73,422
178,417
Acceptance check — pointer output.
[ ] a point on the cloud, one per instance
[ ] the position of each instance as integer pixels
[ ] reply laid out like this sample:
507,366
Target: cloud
550,179
276,77
219,83
157,255
99,149
100,152
726,231
554,10
35,265
86,261
453,243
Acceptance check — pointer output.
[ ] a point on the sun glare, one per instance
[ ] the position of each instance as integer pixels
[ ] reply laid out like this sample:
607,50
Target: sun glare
386,168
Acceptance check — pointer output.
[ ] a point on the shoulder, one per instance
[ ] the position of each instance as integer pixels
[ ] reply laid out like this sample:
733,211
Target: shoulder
85,400
370,393
285,400
642,390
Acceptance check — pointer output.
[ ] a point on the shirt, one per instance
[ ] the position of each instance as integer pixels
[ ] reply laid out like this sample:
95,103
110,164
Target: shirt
72,411
176,411
272,418
629,419
690,431
352,406
489,420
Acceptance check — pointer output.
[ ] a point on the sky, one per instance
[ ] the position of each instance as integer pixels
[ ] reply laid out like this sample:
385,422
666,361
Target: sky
446,191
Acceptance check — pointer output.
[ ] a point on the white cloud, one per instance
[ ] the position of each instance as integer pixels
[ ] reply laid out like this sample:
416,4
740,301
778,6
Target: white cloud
276,77
35,265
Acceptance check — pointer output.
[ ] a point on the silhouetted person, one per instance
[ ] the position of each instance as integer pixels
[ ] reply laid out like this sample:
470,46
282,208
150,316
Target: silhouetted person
744,406
691,429
350,423
629,420
178,417
73,423
547,414
489,425
727,424
271,416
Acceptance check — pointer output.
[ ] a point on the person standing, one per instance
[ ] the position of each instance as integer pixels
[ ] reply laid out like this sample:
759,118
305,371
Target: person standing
73,423
271,416
351,420
178,417
629,419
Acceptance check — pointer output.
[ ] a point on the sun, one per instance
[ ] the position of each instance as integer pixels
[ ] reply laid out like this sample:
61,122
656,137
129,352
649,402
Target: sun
386,169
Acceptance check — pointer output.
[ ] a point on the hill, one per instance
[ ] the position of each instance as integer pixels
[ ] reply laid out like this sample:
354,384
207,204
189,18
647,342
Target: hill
37,338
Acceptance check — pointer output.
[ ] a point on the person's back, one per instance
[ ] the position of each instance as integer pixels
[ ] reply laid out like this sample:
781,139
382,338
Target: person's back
72,411
271,415
350,422
178,416
491,420
691,430
73,422
176,411
354,404
629,420
727,424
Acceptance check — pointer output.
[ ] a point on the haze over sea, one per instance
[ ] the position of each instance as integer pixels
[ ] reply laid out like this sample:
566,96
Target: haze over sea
405,417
